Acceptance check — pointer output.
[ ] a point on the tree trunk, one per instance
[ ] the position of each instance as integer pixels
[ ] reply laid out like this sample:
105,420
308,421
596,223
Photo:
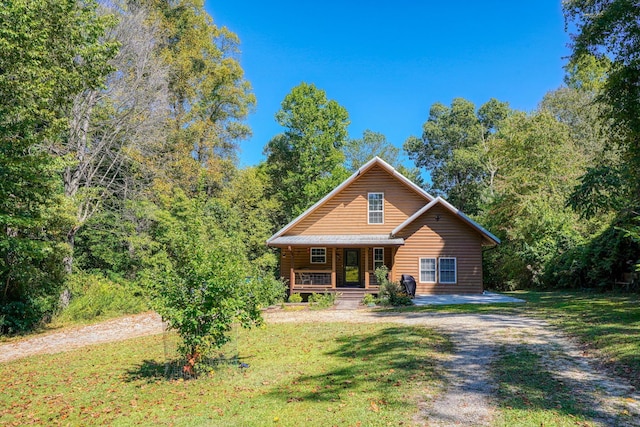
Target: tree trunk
189,368
65,296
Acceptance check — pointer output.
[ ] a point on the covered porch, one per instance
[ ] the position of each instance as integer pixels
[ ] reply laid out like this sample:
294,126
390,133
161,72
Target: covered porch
335,263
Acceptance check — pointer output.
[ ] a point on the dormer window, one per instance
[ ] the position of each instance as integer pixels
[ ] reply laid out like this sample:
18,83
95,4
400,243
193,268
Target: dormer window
376,208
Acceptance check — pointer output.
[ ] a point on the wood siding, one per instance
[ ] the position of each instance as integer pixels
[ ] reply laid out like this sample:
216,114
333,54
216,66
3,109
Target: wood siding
449,237
301,257
347,211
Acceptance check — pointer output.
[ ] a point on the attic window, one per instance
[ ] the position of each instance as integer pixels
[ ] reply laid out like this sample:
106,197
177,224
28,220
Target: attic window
376,208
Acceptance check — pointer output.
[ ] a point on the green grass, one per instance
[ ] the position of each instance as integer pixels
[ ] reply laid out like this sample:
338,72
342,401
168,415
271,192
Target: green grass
303,374
528,395
607,324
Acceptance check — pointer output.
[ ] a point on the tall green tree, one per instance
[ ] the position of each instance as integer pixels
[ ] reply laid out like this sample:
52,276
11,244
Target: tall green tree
454,148
359,151
538,169
244,204
49,54
600,190
609,29
118,111
209,97
305,162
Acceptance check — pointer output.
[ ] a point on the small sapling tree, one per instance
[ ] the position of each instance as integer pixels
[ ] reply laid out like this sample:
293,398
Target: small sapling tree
196,276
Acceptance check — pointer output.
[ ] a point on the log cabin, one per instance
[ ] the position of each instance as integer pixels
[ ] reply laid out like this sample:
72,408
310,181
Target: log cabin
379,217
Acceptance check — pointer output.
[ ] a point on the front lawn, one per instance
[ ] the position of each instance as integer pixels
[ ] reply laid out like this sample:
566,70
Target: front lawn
607,324
304,374
529,395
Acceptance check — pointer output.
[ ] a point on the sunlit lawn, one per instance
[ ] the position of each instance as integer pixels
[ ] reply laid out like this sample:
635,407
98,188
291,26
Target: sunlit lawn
529,395
608,324
305,374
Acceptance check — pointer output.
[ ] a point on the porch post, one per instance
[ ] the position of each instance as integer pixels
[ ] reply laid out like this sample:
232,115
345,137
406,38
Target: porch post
366,268
333,267
292,273
392,274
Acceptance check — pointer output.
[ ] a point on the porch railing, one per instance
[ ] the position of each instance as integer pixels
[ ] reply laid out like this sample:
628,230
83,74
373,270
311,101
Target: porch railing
313,277
372,278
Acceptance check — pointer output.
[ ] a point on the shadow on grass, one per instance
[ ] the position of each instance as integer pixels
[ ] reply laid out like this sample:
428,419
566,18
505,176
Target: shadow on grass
381,367
607,322
149,370
152,371
531,394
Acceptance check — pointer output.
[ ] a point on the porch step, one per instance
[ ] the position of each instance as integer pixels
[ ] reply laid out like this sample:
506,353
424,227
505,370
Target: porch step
352,293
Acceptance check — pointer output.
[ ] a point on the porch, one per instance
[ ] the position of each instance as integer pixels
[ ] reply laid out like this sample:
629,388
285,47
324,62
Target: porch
334,269
320,281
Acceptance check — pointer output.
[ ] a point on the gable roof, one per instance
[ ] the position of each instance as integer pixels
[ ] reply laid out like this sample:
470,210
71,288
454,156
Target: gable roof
490,238
363,169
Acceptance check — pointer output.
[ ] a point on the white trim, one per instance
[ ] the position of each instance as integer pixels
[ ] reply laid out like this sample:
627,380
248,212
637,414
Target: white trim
374,256
455,270
452,209
435,270
369,211
363,169
311,255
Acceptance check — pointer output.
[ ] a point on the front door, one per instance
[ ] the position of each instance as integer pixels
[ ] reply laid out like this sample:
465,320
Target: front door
352,267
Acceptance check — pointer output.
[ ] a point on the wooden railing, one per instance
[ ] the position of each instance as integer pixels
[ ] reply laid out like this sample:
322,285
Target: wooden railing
373,280
313,277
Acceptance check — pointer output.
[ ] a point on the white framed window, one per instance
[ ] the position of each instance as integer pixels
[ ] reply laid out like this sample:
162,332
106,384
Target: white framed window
318,255
427,270
378,257
447,270
376,208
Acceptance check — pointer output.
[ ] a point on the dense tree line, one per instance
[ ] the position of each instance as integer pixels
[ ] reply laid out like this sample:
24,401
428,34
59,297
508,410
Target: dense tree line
120,123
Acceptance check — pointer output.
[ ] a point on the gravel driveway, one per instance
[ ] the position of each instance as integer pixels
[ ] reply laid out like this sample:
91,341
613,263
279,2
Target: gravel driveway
476,337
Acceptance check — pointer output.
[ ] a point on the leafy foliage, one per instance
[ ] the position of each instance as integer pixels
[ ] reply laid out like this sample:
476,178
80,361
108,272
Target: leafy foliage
359,151
454,148
321,301
391,293
607,30
208,98
95,296
306,161
295,298
197,279
50,51
537,172
369,299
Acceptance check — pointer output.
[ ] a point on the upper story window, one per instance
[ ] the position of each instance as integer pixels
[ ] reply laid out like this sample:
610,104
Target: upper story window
376,208
318,255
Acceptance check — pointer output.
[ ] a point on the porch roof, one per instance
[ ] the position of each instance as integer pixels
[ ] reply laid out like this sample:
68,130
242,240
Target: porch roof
355,240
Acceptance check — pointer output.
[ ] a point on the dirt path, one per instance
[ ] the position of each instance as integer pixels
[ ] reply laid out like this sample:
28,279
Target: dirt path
70,339
468,400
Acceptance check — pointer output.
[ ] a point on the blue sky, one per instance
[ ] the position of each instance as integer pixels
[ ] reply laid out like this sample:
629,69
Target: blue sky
388,62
